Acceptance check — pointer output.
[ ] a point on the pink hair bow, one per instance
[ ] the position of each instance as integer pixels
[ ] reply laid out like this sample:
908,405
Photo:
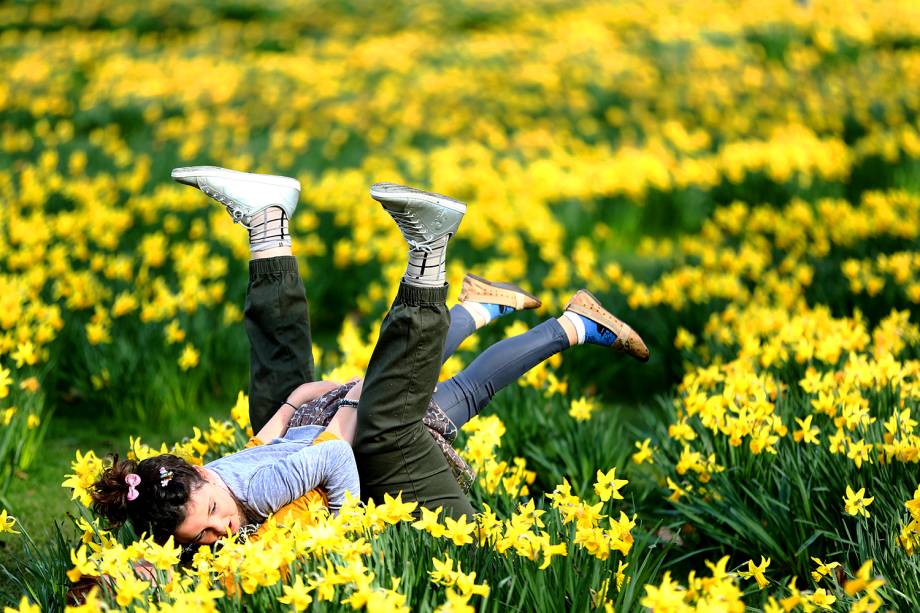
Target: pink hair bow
133,480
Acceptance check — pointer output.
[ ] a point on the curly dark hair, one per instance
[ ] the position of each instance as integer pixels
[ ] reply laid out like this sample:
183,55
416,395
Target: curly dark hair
158,509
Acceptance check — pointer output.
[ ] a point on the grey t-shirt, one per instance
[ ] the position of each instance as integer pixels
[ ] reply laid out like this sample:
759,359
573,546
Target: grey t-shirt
269,476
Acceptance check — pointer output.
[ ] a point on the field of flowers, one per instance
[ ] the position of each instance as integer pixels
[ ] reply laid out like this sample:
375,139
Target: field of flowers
738,180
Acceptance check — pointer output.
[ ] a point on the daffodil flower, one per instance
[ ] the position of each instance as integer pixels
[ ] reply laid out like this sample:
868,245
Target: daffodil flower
7,523
855,503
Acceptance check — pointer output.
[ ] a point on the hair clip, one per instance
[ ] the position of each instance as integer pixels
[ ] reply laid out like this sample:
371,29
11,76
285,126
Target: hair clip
133,480
165,476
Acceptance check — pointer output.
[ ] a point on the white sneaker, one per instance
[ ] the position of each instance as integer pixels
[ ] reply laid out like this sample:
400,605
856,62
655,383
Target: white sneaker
423,217
243,193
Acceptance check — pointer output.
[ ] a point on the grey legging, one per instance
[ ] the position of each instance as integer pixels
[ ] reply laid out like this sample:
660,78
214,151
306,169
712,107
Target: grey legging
464,395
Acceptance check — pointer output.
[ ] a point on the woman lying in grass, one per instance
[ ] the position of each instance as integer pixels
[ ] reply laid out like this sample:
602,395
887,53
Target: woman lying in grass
321,441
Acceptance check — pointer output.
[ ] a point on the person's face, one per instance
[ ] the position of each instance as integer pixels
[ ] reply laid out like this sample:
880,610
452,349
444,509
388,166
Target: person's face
211,510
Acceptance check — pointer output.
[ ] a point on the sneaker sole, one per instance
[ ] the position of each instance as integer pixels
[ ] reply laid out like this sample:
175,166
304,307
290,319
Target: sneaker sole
511,287
385,192
192,172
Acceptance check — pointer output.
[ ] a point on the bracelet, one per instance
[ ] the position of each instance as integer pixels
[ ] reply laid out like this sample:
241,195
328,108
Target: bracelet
290,405
348,402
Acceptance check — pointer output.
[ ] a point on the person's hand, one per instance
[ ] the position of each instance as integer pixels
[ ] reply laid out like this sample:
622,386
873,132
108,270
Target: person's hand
146,571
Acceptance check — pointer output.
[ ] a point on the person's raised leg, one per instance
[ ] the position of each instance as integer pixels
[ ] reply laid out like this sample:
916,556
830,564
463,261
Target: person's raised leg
583,321
393,449
480,302
277,316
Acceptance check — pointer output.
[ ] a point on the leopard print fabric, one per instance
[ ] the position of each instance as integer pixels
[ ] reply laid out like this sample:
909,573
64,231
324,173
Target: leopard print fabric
321,410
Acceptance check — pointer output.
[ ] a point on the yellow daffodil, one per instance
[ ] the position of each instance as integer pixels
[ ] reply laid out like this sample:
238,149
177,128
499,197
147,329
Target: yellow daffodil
429,522
466,584
83,566
756,572
25,354
189,358
240,411
455,603
86,469
608,486
443,572
621,575
174,333
297,595
128,589
458,531
528,515
550,550
5,381
644,453
863,581
822,599
807,433
855,503
25,606
582,409
394,510
667,596
822,569
7,523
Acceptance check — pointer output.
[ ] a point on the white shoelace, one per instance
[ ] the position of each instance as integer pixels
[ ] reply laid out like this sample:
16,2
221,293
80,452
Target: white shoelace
233,208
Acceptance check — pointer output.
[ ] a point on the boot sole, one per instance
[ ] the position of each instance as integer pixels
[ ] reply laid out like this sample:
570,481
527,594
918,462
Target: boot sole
193,172
507,286
388,192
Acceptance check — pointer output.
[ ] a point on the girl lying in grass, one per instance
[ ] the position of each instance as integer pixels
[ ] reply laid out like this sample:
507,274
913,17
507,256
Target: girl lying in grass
322,442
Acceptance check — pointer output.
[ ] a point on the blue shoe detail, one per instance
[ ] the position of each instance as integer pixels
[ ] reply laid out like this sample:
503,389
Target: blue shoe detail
597,334
496,310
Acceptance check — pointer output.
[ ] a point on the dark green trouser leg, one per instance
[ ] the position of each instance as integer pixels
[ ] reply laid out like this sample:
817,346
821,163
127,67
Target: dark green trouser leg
278,326
394,450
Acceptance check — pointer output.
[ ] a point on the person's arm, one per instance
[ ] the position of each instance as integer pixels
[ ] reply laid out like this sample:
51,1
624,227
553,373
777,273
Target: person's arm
278,424
345,420
331,465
